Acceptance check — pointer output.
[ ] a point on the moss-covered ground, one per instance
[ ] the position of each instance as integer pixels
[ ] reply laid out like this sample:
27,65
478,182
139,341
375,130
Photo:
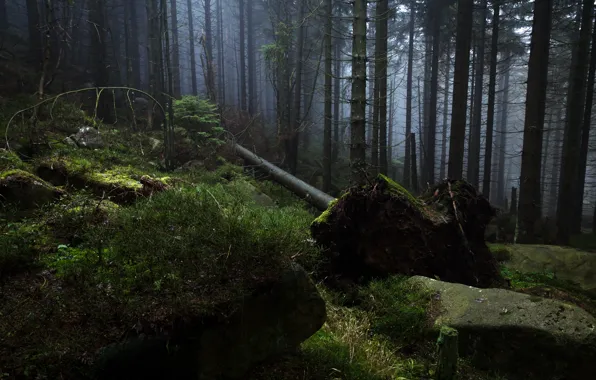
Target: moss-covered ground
76,273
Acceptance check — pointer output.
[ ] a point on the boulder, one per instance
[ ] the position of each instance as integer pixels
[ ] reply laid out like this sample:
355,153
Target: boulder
25,190
274,319
88,137
524,336
566,263
380,229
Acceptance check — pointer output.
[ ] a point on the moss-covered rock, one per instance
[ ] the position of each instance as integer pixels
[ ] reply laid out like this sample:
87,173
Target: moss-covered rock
25,190
122,185
381,229
523,336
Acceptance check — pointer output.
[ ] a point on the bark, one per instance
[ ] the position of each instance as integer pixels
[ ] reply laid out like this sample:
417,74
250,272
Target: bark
292,154
169,121
431,129
242,53
382,10
460,88
445,109
314,196
552,199
34,32
490,114
390,166
586,123
571,155
336,99
423,132
414,168
99,51
545,154
358,107
327,122
407,162
193,57
503,135
447,352
3,16
476,124
529,193
250,51
220,55
176,88
135,59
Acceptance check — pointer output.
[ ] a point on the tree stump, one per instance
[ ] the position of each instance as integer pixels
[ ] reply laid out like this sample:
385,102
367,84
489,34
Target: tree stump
447,351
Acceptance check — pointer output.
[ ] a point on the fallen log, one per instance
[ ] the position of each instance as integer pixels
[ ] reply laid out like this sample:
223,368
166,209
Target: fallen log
310,194
380,229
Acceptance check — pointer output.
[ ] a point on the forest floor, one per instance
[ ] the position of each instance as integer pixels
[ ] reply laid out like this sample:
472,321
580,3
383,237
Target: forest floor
83,239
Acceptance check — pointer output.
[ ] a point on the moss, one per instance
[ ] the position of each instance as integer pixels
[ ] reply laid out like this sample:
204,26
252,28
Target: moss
399,191
325,214
501,252
10,160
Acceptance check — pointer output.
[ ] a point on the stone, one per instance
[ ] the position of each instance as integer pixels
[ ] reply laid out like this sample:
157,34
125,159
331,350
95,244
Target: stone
524,336
25,190
88,137
275,319
566,263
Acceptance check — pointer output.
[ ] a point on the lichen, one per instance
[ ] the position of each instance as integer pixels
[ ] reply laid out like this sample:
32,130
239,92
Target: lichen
325,214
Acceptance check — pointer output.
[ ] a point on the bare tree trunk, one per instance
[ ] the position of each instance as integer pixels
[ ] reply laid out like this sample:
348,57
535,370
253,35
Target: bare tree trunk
414,168
586,123
175,50
431,130
529,191
390,166
327,117
575,103
545,154
220,55
503,134
3,16
193,57
358,108
407,162
34,32
476,125
336,100
556,165
445,109
460,88
490,114
242,53
252,94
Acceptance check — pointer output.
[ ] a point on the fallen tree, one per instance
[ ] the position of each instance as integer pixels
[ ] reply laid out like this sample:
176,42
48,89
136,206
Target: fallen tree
380,229
312,195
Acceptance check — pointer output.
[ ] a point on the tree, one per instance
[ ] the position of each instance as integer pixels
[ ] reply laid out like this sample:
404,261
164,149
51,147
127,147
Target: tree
407,163
490,115
571,140
176,90
328,95
460,88
34,33
381,72
250,51
193,57
242,53
431,129
529,209
358,108
475,126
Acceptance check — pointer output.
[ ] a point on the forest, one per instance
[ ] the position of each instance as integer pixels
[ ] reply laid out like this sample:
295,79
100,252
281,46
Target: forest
297,189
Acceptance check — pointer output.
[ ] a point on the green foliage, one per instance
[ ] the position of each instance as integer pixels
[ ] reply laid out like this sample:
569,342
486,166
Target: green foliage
500,251
398,309
200,118
10,160
20,245
521,280
209,242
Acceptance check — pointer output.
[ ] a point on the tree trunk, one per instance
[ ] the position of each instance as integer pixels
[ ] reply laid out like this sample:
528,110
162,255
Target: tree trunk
503,134
336,99
460,88
252,69
445,109
575,103
407,162
414,168
176,87
169,78
34,32
292,154
476,125
3,16
447,352
390,166
135,58
99,51
242,53
315,197
553,191
586,123
382,10
193,57
545,153
490,114
529,192
327,117
358,107
220,55
431,129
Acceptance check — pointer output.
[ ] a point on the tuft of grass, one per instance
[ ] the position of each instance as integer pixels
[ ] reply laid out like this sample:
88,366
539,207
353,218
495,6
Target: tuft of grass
398,309
21,244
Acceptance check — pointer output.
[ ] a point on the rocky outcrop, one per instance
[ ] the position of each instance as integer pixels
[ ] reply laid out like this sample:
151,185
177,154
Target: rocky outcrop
88,137
524,336
274,319
565,263
25,190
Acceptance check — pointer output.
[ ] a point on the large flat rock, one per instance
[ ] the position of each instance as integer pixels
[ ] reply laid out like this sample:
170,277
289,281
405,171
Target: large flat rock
566,263
523,336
